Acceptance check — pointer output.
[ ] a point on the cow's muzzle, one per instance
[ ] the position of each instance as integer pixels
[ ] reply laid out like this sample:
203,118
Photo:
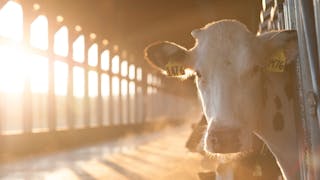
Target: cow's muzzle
223,141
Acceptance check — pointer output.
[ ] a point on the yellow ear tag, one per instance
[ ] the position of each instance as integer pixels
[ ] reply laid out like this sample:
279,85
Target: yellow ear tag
278,62
174,69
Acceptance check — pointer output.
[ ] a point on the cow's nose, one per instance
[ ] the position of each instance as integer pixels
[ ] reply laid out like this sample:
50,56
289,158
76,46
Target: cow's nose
224,141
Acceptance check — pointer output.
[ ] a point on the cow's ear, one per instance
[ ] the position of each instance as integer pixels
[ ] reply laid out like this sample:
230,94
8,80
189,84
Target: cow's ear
280,47
168,57
286,40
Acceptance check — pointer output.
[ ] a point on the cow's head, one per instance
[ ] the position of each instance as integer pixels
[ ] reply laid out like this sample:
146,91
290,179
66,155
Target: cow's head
230,64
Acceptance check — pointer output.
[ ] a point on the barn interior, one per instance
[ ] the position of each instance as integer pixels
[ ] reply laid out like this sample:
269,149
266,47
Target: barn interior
34,146
132,25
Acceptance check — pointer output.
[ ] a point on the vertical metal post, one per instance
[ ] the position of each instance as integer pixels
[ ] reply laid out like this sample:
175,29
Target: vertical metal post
70,98
128,94
86,111
144,93
2,3
306,10
316,5
105,116
111,99
52,112
136,102
121,120
310,86
1,113
27,96
27,107
137,97
99,97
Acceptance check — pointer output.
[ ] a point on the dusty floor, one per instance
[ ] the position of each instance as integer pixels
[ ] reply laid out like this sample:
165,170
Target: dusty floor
155,156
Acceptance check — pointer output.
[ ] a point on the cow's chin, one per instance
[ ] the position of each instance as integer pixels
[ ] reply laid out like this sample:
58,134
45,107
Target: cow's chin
228,157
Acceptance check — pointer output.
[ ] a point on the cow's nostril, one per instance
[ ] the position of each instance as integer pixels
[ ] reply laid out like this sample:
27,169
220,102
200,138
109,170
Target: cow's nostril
224,141
213,139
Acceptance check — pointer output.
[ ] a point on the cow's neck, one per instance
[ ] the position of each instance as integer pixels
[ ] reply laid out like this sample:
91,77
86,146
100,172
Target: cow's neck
281,138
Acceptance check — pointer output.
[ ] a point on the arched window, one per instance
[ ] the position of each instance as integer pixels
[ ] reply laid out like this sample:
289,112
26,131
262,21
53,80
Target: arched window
93,55
124,68
93,84
39,33
105,58
61,43
132,71
11,21
78,81
60,78
139,74
115,64
78,49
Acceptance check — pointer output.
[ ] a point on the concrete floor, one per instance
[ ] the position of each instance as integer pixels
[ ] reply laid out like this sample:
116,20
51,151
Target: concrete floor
156,156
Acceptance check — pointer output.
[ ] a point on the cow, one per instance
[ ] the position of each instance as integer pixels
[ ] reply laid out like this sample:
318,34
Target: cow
244,87
258,164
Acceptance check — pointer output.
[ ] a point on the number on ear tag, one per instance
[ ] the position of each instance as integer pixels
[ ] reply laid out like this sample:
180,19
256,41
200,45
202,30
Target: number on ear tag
174,69
278,62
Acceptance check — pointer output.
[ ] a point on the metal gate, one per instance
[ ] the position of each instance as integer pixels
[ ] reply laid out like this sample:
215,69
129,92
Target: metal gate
304,16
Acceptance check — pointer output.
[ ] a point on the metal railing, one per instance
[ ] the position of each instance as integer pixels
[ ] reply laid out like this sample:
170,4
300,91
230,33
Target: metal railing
115,91
304,17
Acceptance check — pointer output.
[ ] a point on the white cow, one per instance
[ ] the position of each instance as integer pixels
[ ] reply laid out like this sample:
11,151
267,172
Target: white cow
244,87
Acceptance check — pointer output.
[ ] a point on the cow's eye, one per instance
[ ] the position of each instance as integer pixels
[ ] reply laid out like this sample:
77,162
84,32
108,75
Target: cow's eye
198,74
227,63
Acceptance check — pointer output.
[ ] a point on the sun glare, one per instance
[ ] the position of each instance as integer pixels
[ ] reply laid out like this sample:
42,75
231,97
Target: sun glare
105,60
12,72
124,68
78,49
12,69
61,45
93,55
60,78
93,84
11,21
19,67
132,71
39,33
78,81
115,86
115,64
124,87
38,67
105,85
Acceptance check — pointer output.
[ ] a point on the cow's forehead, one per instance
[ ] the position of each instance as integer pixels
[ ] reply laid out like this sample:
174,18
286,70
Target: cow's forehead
226,29
222,43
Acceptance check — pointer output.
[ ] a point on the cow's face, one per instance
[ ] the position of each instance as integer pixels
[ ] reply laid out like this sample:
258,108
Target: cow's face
230,64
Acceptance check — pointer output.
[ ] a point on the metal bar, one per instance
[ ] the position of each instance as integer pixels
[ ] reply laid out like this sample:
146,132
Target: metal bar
111,108
311,130
267,4
2,120
52,111
121,120
316,5
310,33
70,97
136,104
86,111
128,95
312,50
144,95
27,96
281,22
99,97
